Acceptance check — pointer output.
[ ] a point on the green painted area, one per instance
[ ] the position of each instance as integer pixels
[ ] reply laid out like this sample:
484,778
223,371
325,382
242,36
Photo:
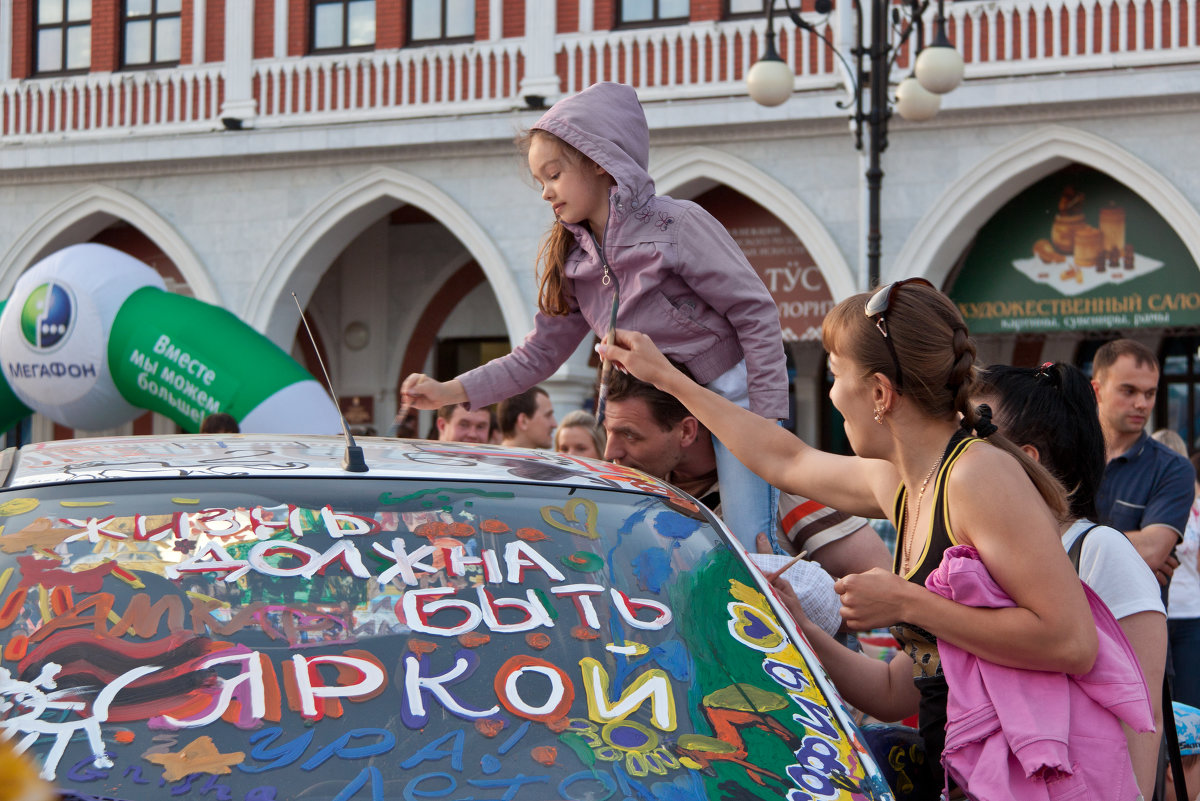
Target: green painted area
387,498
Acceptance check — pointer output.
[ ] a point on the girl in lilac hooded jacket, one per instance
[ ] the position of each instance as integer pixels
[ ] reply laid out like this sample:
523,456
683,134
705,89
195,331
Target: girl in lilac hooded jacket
683,281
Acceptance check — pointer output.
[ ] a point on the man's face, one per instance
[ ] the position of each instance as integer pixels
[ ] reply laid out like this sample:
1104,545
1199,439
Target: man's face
539,429
635,439
464,426
1125,393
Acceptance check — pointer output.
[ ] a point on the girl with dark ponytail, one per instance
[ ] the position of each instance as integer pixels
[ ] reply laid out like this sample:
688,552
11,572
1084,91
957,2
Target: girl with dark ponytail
934,464
1050,412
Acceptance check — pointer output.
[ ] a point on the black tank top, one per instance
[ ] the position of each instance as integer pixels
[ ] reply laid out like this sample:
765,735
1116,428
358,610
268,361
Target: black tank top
919,644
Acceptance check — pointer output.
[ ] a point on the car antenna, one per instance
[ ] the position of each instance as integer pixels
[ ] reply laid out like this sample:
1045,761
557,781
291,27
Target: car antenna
352,460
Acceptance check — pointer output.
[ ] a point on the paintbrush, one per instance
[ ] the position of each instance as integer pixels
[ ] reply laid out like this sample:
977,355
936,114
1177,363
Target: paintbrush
606,364
772,576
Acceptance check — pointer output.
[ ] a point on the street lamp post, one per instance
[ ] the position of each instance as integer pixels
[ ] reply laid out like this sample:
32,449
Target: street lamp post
938,69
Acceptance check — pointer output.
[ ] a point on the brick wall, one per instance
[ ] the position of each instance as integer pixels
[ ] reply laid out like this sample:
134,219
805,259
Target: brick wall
264,28
513,18
214,30
297,27
707,10
106,35
567,16
604,15
187,26
391,23
22,46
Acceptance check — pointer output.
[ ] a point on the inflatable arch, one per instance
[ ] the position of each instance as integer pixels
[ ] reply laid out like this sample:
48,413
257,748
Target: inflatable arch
89,337
89,211
328,228
941,236
701,163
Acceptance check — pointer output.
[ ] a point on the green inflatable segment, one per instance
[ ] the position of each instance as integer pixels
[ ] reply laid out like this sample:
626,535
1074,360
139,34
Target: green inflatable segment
12,411
186,359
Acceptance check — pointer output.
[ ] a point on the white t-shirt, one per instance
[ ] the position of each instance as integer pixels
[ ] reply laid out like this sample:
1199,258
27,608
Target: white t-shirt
1184,599
1114,569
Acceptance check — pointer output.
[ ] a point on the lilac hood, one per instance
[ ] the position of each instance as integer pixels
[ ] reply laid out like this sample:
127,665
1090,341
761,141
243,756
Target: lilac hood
605,122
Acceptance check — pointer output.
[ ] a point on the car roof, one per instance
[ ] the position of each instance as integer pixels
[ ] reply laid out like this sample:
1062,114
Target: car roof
278,456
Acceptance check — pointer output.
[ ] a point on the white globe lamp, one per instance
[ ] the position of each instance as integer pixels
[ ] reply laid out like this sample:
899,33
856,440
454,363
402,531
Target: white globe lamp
770,80
914,102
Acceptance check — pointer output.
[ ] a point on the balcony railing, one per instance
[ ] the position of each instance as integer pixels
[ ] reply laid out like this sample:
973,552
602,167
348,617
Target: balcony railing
997,38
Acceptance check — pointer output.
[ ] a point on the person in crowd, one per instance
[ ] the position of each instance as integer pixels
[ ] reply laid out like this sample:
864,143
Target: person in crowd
219,423
458,423
651,431
904,373
660,265
1187,728
527,419
1147,488
404,426
1183,609
579,435
1050,412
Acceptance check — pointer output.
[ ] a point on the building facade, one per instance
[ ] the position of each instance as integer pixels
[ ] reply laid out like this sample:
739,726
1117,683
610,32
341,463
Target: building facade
360,154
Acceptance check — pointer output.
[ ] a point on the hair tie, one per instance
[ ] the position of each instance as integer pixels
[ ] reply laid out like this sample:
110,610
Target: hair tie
983,427
1047,371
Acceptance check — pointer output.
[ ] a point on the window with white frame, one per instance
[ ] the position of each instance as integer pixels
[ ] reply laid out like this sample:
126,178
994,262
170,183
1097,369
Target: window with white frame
433,21
343,24
150,32
640,12
62,40
739,8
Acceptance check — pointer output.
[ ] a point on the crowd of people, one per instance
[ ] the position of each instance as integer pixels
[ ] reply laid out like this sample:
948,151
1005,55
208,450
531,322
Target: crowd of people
1043,587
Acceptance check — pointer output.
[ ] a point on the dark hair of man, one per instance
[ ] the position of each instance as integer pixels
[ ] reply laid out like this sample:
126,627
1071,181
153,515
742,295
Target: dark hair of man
219,423
1109,352
512,408
666,410
446,412
1052,408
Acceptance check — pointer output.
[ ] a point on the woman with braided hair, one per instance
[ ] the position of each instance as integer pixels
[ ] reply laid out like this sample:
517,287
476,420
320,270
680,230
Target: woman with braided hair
904,372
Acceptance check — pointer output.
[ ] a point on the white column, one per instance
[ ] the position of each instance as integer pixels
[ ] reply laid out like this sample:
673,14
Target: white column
587,14
496,20
6,34
541,81
239,63
199,13
281,28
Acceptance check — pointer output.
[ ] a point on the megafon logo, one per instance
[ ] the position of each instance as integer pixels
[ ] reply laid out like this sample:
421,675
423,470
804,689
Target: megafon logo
47,316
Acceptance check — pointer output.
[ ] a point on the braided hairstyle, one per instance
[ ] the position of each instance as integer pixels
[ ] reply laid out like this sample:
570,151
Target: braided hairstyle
937,356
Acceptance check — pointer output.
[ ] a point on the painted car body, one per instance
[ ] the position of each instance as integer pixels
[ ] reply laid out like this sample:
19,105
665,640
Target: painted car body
234,617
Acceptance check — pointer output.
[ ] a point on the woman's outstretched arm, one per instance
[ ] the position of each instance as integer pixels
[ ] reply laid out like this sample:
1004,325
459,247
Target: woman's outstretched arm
847,483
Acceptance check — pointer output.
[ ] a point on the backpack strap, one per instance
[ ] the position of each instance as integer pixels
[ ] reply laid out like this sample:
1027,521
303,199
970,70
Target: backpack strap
1077,546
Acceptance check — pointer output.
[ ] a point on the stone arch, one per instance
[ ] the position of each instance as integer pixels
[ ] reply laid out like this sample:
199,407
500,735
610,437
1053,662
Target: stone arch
89,211
332,224
939,238
700,164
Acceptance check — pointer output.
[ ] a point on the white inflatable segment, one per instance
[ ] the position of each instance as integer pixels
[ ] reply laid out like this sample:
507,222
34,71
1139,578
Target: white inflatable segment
54,334
91,338
300,408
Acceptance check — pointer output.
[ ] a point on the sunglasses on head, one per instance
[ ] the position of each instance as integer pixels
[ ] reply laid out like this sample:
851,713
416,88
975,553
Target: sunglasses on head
877,309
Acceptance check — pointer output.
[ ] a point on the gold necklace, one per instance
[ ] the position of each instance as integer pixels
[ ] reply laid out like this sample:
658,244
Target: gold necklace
920,497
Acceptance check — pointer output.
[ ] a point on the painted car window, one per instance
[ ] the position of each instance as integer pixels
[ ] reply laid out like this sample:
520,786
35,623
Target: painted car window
274,639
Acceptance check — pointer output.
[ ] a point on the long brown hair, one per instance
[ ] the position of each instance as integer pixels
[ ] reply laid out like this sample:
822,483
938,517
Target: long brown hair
553,297
938,358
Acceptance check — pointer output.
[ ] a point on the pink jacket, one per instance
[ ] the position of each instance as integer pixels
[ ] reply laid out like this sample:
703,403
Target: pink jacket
683,279
1029,734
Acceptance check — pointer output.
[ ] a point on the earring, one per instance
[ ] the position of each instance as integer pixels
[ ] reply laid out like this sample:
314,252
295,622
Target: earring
879,410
